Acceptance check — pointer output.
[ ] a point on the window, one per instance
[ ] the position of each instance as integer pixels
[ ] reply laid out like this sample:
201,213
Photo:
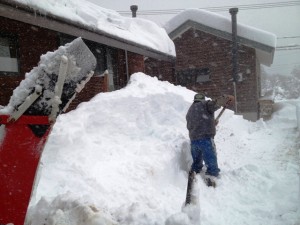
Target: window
98,50
8,55
106,58
193,75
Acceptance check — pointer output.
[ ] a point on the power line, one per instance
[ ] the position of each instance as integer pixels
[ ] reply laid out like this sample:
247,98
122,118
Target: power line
286,64
287,54
288,47
217,9
288,37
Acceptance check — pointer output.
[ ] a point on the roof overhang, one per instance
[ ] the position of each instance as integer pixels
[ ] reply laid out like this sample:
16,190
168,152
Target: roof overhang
23,13
265,53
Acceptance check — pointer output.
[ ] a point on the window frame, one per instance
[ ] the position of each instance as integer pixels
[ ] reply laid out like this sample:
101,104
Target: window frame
100,57
14,38
192,76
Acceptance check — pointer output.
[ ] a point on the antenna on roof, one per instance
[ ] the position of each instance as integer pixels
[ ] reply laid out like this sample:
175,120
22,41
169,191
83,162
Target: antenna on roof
133,9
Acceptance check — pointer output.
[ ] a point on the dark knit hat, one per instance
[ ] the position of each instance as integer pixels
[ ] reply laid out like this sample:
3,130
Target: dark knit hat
199,97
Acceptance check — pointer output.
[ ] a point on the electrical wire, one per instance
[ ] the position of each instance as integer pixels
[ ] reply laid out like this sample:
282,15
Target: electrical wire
217,9
287,49
288,37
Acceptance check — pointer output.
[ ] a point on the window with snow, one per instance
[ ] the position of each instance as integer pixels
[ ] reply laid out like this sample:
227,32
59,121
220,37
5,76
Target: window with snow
8,55
193,76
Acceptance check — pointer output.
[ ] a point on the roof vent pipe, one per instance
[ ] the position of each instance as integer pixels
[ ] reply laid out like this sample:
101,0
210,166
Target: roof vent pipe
133,9
233,12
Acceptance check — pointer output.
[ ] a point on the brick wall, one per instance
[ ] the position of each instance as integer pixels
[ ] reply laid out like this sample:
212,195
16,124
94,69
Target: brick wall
100,84
135,64
32,42
160,69
92,88
197,49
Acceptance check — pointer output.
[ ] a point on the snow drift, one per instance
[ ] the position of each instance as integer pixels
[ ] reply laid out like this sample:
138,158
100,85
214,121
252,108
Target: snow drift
123,157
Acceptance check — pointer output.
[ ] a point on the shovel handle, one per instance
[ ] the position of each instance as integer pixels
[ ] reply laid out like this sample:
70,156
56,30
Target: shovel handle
219,115
230,100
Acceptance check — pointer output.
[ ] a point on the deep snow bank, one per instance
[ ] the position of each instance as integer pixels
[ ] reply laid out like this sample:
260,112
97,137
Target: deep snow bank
123,157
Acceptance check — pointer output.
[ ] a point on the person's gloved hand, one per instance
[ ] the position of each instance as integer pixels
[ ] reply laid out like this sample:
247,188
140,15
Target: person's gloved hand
225,100
229,100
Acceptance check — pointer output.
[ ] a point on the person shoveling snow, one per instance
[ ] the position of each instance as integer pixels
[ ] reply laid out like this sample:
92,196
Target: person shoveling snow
202,130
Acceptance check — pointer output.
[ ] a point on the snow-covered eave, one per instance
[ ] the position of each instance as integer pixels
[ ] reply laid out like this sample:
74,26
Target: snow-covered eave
262,41
21,12
265,53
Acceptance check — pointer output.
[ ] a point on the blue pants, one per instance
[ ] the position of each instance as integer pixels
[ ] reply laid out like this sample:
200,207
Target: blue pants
204,149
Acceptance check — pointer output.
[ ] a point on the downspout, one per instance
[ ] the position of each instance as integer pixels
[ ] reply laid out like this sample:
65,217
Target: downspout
233,12
127,70
175,80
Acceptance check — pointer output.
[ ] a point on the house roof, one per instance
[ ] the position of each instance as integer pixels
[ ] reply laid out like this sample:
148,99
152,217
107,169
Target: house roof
92,22
263,42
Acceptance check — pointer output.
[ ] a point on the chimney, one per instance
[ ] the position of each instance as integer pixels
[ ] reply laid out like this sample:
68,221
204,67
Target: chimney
133,9
233,12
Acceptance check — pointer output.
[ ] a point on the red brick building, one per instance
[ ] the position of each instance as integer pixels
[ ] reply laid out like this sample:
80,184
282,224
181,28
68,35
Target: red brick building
27,32
204,58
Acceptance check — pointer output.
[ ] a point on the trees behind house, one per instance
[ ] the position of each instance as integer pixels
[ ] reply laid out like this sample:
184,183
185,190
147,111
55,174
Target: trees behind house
281,86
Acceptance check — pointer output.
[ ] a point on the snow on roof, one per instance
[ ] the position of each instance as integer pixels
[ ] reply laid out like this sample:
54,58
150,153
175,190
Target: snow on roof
137,30
221,23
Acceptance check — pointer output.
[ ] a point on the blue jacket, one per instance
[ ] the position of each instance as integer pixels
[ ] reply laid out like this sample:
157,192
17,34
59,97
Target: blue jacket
201,120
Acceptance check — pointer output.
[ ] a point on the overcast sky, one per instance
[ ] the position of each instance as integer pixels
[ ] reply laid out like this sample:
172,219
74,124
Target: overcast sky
281,17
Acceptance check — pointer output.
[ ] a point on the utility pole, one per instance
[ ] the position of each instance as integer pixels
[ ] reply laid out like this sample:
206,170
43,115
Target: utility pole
233,12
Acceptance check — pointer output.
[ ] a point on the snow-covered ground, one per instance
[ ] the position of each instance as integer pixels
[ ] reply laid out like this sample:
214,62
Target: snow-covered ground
123,157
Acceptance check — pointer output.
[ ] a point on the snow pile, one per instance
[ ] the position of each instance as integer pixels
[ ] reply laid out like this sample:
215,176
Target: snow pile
123,157
108,22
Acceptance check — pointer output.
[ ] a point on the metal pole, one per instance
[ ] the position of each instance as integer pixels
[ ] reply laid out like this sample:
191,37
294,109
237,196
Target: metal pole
233,12
127,69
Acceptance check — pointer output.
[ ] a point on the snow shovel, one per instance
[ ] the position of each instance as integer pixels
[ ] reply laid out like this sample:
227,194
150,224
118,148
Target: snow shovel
222,111
219,115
